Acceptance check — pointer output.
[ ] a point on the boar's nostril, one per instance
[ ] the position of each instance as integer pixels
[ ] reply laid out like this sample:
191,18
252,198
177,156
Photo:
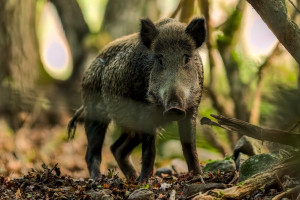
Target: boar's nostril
174,114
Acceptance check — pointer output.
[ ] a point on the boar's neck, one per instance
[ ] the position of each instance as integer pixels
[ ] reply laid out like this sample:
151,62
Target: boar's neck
126,68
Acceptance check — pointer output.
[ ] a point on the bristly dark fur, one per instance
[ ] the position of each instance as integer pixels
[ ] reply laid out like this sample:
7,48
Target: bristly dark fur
196,29
148,32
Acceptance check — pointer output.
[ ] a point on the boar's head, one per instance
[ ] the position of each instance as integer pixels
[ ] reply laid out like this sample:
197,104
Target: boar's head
174,80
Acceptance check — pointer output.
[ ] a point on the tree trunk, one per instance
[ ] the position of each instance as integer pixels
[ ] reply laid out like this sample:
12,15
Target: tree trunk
127,19
19,59
187,10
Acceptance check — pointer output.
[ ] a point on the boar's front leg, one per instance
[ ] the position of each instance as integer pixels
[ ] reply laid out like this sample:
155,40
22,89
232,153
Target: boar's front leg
148,155
122,149
95,132
187,131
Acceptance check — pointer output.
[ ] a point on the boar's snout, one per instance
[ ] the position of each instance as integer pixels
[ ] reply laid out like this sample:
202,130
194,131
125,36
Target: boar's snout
175,104
174,113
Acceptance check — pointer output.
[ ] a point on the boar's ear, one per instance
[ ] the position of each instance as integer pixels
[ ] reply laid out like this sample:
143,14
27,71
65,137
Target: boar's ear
148,32
196,29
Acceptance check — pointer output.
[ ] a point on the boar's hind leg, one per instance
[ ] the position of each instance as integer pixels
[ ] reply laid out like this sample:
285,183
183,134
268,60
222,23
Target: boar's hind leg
187,131
122,149
148,155
95,131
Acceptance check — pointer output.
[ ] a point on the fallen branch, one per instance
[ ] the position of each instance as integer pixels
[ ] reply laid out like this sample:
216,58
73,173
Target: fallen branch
245,128
255,182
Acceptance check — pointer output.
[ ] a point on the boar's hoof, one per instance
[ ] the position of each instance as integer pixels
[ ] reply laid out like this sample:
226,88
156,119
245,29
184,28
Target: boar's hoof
174,114
95,175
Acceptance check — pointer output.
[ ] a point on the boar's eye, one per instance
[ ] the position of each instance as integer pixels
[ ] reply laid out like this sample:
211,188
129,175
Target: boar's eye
186,59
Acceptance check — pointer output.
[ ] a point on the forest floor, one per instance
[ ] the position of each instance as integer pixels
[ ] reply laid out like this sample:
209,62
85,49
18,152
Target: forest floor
49,183
23,174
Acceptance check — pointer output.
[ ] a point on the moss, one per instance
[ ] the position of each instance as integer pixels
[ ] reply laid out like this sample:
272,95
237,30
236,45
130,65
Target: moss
256,164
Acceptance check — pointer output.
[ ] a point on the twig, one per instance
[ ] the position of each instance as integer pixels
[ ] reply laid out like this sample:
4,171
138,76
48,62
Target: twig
298,198
207,121
196,189
294,6
198,179
55,166
279,182
193,195
295,126
294,190
235,178
174,169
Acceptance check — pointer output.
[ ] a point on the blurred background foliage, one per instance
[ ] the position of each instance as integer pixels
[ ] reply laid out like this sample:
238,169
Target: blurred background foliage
46,44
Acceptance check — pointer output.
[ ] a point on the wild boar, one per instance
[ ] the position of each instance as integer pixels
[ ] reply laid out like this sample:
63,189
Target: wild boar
144,81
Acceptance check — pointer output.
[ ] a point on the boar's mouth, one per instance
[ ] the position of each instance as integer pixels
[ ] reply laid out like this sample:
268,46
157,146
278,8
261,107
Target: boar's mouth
174,113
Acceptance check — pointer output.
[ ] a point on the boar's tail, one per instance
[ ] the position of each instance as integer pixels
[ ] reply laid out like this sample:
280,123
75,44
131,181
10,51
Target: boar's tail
73,121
